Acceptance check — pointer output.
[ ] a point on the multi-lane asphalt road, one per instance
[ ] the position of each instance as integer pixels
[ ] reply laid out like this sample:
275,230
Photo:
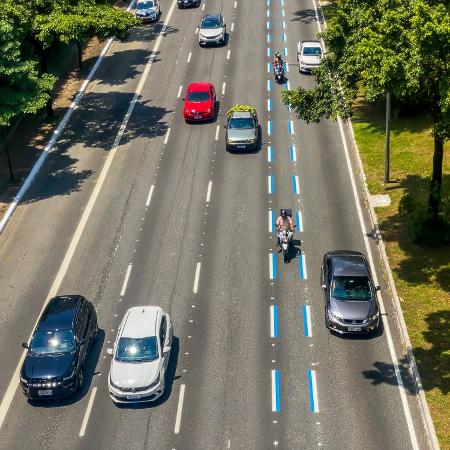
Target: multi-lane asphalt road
137,207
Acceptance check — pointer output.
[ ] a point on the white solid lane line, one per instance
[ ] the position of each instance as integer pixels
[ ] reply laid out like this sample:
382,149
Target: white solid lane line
208,192
125,281
88,412
197,277
179,91
189,56
217,132
223,87
166,138
14,382
179,409
150,194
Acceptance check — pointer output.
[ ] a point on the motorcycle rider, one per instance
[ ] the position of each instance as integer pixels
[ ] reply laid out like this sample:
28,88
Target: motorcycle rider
277,59
284,222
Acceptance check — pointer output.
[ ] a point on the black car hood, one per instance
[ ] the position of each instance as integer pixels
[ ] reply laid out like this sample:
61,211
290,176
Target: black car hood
353,310
48,366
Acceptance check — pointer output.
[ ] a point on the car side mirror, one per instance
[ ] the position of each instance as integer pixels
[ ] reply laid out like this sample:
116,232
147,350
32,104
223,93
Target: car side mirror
324,286
82,341
109,351
182,98
166,349
225,126
377,288
25,345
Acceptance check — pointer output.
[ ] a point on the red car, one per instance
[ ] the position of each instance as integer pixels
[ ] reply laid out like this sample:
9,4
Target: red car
199,102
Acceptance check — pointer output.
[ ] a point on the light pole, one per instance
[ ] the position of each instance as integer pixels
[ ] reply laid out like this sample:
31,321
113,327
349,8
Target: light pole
387,144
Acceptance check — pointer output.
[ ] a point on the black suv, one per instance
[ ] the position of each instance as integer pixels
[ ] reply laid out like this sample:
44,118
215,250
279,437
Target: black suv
53,366
351,304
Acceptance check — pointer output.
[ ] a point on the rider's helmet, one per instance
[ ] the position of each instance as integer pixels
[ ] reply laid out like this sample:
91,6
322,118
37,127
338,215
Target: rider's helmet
277,54
283,213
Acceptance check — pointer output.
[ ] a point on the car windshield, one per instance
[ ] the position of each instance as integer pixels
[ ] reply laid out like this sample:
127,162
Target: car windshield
211,22
137,349
50,342
145,5
347,288
241,123
197,97
312,51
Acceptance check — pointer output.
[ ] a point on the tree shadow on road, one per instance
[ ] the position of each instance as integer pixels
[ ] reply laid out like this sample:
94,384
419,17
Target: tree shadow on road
433,359
94,126
305,16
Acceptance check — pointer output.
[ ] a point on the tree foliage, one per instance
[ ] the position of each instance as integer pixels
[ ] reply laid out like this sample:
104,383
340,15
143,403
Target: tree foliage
22,88
30,28
380,46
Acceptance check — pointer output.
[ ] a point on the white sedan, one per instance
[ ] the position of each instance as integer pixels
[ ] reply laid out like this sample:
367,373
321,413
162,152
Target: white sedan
309,55
140,355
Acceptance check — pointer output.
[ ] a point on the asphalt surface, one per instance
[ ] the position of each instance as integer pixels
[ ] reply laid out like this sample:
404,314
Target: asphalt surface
240,377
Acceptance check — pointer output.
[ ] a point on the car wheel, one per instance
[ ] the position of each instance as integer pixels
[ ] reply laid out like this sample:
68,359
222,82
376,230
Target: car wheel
80,379
95,337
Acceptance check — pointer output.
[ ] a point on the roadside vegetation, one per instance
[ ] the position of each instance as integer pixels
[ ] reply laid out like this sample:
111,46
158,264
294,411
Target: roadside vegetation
31,31
401,47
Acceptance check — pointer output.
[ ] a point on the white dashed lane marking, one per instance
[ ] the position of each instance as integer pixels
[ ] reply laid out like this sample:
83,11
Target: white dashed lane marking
179,409
166,138
150,194
125,281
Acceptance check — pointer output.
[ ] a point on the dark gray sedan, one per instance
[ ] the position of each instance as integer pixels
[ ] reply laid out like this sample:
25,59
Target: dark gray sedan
351,304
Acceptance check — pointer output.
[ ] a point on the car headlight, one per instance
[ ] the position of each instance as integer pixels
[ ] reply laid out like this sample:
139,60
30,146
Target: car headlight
155,383
374,317
209,110
23,380
333,317
69,377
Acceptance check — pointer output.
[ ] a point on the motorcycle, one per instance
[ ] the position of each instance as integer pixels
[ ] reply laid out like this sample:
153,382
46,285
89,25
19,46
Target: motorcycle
278,72
285,237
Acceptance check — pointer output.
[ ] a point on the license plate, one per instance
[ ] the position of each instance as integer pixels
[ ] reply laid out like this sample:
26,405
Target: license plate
240,146
133,397
45,392
354,328
197,117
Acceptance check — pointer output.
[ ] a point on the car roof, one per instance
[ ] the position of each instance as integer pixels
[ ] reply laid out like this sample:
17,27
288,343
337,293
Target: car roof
60,313
140,321
211,16
311,43
241,114
350,264
198,86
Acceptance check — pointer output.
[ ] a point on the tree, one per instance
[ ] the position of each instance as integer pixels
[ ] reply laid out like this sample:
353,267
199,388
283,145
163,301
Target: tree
380,46
22,88
68,23
45,23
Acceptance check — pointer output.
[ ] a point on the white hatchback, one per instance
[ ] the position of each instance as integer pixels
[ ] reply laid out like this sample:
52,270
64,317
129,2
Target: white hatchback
140,355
